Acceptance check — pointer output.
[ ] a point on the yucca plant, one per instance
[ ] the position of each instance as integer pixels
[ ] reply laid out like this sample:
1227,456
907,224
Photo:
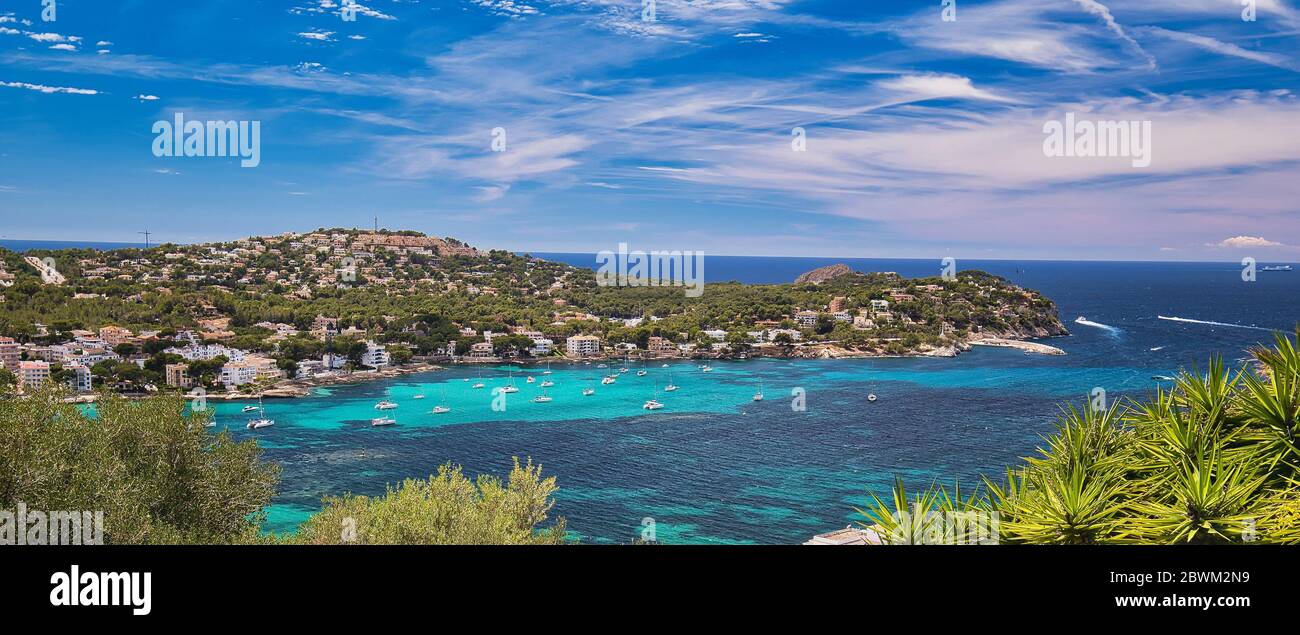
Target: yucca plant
1209,499
933,516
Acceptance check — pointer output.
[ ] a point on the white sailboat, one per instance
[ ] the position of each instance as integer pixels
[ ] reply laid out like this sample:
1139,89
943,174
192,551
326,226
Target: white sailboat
548,369
385,405
758,396
652,404
262,421
543,398
609,379
441,409
382,421
479,383
511,388
671,386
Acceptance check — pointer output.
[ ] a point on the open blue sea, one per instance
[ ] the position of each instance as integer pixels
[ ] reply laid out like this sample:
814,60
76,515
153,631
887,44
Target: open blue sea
715,467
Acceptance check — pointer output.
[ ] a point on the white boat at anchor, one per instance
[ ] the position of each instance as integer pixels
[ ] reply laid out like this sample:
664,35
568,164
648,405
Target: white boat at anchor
438,410
249,409
262,421
609,379
652,405
546,384
587,392
418,397
385,405
382,422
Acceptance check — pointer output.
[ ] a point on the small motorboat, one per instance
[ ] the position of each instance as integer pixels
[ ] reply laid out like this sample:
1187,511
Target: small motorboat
385,405
587,392
478,385
250,409
670,388
622,371
871,397
418,397
608,380
1164,378
382,421
542,399
652,405
602,365
531,379
546,384
707,369
438,410
664,366
640,373
758,396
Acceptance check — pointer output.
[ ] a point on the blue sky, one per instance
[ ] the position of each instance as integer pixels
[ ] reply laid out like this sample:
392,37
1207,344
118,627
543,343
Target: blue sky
924,136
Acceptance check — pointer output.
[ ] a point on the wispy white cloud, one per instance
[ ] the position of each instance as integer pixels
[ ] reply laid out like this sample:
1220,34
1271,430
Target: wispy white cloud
50,89
1223,48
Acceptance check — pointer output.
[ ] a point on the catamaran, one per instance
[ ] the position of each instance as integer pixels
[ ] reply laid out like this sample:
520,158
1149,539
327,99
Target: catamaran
511,387
262,421
385,405
609,379
651,404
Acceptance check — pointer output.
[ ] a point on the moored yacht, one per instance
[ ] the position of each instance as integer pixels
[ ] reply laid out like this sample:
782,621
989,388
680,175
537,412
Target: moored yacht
262,421
441,410
385,405
382,421
652,404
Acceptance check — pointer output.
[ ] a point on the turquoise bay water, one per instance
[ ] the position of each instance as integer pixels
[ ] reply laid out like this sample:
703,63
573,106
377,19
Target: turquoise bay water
715,467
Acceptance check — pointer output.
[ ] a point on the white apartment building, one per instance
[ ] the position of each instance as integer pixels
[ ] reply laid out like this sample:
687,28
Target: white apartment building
376,356
81,380
582,345
238,374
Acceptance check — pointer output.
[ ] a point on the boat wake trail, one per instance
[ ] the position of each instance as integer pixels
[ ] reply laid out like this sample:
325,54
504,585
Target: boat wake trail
1098,325
1191,321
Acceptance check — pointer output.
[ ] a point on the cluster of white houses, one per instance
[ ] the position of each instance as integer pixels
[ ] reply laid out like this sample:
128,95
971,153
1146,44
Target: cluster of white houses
35,365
